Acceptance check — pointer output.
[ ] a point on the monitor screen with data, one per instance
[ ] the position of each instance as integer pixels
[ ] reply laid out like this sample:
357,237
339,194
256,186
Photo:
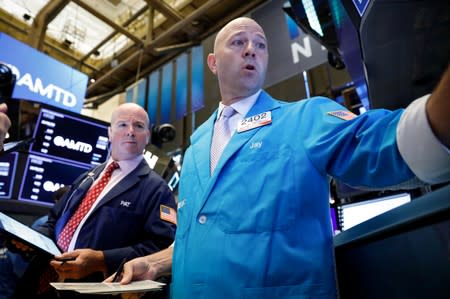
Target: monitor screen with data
70,137
42,176
8,165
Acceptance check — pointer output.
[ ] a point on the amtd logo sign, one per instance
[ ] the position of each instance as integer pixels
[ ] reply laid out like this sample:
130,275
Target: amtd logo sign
301,45
50,91
72,144
41,78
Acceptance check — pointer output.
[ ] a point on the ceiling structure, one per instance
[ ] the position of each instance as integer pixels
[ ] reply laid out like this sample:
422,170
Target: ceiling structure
116,42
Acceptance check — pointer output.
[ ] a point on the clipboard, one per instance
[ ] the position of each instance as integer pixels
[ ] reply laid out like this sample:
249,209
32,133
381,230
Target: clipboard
27,235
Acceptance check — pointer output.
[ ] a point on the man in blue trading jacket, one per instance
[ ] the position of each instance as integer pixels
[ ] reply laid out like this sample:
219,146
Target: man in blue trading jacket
124,221
258,225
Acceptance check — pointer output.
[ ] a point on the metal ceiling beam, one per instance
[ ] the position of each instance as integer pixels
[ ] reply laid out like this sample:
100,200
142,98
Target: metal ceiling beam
165,9
109,22
72,57
152,43
36,36
108,38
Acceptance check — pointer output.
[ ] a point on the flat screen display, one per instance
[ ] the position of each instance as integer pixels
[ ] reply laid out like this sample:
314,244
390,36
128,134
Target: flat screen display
42,176
8,165
71,138
356,213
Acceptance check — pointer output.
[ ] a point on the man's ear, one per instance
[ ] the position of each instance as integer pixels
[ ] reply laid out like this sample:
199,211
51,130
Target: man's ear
211,60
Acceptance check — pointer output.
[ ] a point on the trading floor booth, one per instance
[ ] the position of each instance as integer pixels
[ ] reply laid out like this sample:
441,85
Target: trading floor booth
403,253
396,51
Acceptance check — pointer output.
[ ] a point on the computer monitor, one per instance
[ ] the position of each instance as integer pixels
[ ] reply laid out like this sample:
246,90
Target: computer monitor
8,166
356,213
70,137
42,176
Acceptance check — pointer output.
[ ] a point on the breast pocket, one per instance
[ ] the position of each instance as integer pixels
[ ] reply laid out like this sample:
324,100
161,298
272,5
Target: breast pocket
260,194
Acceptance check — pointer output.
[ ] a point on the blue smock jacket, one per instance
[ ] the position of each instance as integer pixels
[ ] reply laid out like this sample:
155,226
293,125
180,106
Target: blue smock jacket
260,226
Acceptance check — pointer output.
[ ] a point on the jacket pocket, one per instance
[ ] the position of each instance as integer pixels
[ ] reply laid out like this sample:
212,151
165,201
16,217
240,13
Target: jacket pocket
255,197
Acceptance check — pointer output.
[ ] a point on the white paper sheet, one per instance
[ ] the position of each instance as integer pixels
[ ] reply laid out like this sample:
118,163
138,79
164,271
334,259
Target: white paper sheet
108,288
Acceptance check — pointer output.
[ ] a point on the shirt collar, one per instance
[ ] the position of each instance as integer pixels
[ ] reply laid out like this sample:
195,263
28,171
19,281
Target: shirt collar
126,165
242,106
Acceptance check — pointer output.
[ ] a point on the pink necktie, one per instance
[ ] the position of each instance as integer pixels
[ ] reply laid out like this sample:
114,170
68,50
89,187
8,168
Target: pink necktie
66,234
221,136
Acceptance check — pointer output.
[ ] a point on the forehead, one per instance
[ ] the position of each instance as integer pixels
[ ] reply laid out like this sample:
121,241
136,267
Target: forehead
241,28
130,114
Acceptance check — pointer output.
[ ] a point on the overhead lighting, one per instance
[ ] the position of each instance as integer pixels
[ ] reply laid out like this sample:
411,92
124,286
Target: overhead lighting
311,13
92,80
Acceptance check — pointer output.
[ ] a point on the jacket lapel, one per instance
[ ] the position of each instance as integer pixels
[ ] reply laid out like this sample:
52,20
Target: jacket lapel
263,104
126,183
201,150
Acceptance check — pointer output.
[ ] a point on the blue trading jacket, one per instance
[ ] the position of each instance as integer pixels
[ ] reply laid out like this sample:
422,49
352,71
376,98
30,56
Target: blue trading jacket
260,226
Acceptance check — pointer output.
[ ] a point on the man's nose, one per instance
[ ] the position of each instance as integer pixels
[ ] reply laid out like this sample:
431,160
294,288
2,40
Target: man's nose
250,50
130,130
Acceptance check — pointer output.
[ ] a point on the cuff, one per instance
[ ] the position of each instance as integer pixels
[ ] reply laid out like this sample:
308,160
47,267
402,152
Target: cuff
425,155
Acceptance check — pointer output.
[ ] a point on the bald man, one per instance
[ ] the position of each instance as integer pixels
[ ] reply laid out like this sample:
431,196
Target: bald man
255,223
124,221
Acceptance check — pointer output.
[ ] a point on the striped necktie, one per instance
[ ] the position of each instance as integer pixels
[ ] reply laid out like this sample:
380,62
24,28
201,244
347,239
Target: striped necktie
221,136
69,229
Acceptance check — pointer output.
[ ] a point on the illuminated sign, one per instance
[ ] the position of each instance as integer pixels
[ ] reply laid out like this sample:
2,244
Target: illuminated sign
43,176
361,6
41,78
75,139
294,52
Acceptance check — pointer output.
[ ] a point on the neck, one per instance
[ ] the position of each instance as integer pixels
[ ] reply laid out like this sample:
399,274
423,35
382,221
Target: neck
228,99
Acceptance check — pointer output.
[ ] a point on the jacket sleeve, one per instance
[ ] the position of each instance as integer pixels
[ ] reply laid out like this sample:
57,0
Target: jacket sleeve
157,233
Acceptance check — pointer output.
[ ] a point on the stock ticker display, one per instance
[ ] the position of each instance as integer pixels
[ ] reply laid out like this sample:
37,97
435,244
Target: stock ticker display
8,164
65,145
43,176
66,137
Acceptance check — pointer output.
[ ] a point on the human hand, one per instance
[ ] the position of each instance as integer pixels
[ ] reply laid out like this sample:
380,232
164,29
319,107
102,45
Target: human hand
137,269
18,247
5,123
79,263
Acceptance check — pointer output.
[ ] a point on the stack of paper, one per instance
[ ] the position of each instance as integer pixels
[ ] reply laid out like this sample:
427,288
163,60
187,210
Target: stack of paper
108,288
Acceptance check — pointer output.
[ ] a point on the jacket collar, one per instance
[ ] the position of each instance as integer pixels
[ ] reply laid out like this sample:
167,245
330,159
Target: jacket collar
201,141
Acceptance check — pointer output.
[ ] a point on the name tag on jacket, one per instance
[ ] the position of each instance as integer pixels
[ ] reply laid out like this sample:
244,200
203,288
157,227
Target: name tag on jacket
254,121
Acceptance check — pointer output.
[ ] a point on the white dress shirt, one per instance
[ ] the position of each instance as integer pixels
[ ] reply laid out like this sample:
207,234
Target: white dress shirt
126,166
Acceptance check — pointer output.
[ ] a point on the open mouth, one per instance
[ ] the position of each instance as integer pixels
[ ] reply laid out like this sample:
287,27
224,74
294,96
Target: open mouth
249,67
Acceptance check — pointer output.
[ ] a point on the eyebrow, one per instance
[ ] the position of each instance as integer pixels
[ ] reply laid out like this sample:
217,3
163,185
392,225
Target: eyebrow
259,34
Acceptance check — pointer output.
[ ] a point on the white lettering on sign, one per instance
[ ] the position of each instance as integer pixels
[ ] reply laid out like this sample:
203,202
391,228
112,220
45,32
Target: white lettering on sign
298,49
72,144
51,91
50,186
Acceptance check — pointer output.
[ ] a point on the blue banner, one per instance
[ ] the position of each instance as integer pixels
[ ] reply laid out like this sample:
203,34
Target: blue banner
135,93
197,92
181,86
41,78
152,100
166,93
